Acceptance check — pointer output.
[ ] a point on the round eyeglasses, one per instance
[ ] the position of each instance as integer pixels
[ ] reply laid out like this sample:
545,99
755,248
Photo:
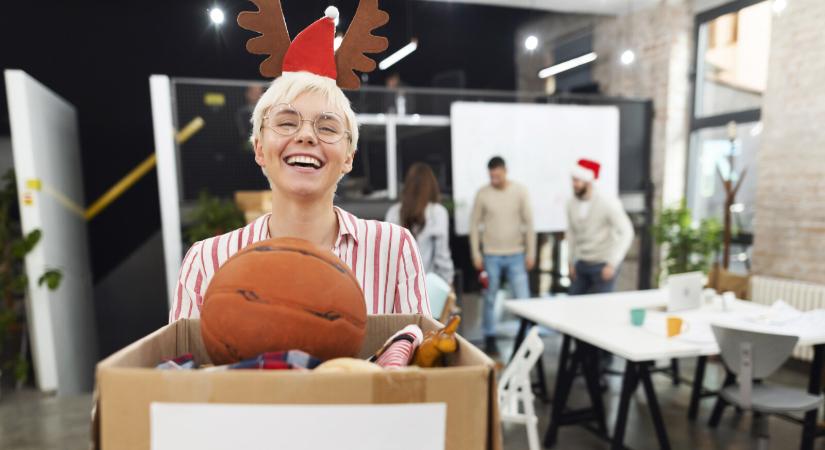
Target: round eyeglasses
286,121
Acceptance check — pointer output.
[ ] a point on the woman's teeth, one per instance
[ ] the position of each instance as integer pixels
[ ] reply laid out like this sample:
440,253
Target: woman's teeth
303,161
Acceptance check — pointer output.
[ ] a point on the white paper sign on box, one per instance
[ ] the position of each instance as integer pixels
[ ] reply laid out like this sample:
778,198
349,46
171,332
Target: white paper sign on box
212,426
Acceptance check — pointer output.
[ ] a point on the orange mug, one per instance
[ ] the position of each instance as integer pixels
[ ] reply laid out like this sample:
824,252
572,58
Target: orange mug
675,325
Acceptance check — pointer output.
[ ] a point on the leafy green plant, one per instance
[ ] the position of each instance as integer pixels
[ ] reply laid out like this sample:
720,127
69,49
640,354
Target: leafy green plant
14,247
212,216
689,246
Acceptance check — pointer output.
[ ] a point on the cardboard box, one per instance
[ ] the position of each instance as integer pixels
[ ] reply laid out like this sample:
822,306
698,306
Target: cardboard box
253,204
127,384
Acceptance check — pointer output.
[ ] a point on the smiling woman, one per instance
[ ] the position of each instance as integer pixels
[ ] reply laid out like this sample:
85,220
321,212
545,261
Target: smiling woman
305,136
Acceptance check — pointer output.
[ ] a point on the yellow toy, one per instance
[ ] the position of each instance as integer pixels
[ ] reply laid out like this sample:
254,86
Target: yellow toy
438,343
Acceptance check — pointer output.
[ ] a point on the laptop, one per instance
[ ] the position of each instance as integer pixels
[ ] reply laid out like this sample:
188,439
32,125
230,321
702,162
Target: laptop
685,291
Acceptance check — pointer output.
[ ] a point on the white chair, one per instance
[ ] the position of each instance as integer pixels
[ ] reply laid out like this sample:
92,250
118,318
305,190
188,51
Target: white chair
515,390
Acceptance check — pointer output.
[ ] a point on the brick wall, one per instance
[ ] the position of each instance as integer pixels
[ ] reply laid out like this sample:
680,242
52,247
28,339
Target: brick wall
661,38
790,202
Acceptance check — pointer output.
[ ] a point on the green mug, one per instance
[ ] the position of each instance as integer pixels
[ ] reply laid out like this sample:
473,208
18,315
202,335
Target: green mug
637,316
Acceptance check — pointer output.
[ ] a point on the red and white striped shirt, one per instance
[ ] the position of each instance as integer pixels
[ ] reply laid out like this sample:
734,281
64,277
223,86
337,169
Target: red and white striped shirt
383,256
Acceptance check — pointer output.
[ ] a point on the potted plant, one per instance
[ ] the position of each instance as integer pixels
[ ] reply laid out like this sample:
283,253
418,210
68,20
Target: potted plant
14,247
212,216
689,245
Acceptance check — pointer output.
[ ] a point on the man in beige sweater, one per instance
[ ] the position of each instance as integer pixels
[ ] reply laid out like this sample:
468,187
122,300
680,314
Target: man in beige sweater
502,241
599,233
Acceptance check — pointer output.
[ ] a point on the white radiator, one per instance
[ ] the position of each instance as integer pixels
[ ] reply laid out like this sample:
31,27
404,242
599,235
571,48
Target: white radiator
802,296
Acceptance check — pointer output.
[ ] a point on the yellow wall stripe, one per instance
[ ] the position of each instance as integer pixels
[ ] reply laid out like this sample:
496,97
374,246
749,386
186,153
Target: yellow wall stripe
138,172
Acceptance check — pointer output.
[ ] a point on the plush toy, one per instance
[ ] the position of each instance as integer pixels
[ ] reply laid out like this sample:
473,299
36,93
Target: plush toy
348,365
399,349
438,343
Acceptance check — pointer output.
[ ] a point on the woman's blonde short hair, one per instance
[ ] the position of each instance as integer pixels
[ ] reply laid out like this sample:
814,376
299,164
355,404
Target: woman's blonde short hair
290,85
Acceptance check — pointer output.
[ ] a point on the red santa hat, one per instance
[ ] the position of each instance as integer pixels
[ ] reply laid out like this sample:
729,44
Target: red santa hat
586,170
312,50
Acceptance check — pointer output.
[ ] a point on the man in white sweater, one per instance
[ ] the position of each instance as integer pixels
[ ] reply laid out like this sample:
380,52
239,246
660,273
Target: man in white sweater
599,233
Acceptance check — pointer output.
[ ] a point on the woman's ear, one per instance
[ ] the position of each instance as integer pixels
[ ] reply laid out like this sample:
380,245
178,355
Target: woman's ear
259,152
348,162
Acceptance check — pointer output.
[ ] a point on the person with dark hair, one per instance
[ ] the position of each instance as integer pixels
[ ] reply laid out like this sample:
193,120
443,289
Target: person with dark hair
421,212
496,162
502,223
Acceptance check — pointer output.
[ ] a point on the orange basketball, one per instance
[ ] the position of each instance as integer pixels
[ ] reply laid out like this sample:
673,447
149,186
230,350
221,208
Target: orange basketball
283,294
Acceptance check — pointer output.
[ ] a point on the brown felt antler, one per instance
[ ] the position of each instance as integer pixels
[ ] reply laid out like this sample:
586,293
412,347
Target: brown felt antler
359,40
274,39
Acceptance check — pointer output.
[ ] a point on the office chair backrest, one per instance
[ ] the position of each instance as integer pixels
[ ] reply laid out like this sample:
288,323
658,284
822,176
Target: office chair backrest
768,351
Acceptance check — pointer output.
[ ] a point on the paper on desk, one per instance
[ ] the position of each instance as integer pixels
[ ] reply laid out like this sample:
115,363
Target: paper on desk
783,318
214,426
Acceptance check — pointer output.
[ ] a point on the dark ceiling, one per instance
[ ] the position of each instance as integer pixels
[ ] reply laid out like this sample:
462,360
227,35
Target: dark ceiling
99,55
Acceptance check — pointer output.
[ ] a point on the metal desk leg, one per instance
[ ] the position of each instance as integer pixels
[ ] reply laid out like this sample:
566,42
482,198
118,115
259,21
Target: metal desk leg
815,388
542,384
698,387
522,332
564,380
629,383
653,404
674,371
716,416
590,368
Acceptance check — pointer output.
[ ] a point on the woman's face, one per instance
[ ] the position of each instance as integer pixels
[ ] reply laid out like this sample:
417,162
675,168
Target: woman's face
302,165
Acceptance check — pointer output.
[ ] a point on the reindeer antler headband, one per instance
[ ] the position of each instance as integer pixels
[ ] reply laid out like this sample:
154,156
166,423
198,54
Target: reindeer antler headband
312,50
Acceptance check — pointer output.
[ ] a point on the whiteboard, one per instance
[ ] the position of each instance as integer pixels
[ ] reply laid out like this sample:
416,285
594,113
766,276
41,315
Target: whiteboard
540,144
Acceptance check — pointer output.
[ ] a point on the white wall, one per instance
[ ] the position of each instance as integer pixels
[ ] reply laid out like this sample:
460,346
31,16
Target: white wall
46,150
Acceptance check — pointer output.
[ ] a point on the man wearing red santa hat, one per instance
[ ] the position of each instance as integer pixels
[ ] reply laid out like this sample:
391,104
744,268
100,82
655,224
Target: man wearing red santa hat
599,233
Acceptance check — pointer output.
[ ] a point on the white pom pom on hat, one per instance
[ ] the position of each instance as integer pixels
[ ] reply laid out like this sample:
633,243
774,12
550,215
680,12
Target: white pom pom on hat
331,12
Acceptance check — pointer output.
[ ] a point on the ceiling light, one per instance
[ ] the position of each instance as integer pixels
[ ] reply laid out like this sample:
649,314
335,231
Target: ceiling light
531,43
628,57
216,16
399,55
779,6
567,65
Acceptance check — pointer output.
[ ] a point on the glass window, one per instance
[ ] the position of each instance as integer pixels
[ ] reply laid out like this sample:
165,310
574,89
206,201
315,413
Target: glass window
710,161
427,144
732,61
368,178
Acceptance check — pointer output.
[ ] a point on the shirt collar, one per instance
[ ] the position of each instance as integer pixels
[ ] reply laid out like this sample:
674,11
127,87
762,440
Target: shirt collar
346,225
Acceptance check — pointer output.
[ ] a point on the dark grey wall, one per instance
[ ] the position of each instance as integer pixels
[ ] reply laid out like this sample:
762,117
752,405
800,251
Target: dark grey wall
130,301
6,161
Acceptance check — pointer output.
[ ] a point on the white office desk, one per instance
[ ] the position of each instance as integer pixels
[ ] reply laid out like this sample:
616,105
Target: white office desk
603,321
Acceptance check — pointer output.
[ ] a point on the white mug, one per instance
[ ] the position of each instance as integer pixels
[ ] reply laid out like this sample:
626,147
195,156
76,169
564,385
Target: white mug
727,299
